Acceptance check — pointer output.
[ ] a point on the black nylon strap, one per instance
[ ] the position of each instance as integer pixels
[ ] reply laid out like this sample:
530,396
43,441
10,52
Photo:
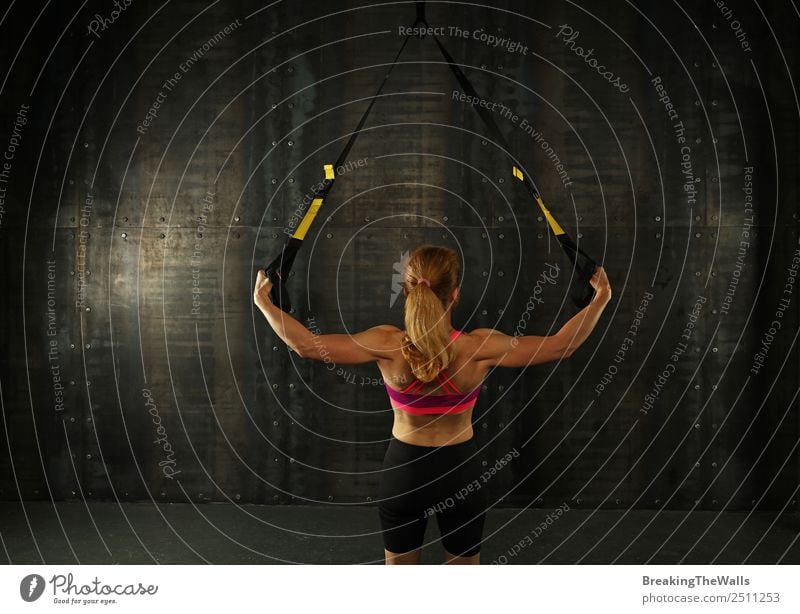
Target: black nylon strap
328,183
279,269
484,114
581,290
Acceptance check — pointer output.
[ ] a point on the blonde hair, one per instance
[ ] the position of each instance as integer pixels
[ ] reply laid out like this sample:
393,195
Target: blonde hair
426,344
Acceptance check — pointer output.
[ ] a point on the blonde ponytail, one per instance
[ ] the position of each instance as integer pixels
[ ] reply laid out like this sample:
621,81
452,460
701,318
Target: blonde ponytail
426,345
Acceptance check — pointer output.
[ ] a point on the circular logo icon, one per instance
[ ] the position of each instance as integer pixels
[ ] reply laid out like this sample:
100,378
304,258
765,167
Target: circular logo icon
31,587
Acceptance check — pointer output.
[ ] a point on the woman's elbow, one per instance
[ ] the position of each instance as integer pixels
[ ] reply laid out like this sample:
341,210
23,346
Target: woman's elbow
301,350
563,349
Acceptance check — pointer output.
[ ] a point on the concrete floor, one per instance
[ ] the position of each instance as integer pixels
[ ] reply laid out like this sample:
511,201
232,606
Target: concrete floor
143,533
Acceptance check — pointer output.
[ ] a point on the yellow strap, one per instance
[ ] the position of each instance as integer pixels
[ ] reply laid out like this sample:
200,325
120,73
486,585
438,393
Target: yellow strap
557,230
548,216
329,171
302,229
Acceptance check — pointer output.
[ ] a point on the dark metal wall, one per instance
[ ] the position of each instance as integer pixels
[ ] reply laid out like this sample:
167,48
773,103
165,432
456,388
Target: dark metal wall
135,366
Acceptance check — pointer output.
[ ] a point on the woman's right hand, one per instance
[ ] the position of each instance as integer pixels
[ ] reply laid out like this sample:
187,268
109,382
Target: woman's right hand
599,282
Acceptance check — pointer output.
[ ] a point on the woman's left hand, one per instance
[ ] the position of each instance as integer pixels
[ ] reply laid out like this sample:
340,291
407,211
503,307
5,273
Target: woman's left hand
262,288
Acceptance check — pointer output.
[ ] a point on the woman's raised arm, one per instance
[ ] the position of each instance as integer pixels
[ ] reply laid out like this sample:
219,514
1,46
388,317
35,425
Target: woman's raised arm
367,346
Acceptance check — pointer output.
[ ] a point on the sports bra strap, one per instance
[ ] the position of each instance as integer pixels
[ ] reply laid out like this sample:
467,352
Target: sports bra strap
445,382
415,383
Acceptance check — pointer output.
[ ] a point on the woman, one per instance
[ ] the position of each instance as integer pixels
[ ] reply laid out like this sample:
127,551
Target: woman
433,375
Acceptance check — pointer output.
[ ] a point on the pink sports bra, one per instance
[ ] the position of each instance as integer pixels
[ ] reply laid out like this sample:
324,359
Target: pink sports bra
453,402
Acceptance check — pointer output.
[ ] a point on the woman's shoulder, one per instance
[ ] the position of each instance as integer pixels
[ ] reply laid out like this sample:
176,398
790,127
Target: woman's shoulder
389,328
392,333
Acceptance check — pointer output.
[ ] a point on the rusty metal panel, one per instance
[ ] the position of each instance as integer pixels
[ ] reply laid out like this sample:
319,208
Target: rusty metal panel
133,232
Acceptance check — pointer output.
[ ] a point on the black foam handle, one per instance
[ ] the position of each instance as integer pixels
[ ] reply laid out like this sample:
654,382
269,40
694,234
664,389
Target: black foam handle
278,272
582,291
279,295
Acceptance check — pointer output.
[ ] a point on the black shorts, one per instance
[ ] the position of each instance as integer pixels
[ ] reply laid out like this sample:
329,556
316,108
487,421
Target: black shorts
421,481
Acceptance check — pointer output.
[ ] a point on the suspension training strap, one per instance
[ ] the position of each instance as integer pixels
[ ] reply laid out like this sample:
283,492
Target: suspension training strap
581,291
278,270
